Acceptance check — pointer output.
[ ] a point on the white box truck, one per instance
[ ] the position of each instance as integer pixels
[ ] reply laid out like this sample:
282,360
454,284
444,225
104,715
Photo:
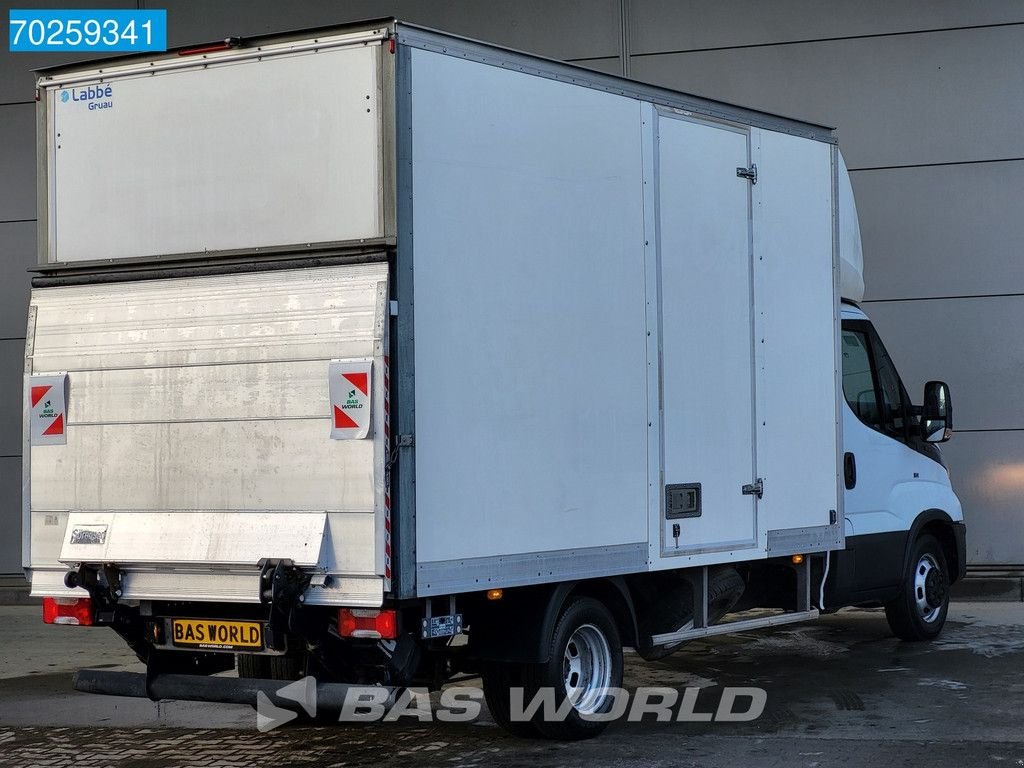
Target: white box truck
351,344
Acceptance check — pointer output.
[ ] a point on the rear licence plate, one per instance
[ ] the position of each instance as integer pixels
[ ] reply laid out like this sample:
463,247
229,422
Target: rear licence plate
216,635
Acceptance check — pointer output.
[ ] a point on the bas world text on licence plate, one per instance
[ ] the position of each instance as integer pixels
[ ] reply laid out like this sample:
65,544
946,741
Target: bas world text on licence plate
213,634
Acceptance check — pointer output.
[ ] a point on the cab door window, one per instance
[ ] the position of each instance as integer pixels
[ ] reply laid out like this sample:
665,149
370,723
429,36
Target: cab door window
858,380
871,384
893,398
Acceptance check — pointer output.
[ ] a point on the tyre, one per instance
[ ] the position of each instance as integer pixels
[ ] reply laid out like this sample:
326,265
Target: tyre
251,665
919,612
725,588
585,660
499,678
283,668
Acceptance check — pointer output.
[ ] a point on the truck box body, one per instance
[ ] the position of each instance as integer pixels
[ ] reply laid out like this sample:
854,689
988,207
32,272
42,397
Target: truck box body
598,323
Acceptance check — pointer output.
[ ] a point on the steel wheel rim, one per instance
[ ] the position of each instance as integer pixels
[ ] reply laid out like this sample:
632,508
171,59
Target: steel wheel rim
587,669
929,589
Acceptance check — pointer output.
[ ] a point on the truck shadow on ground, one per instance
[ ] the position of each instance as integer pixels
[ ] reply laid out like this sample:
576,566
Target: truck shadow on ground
838,681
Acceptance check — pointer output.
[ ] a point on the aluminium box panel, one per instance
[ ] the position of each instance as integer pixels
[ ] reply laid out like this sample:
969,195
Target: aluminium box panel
530,325
796,302
274,147
495,212
747,342
208,396
195,539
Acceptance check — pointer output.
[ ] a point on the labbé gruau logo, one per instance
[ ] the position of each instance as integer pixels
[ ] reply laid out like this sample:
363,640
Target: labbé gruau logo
100,96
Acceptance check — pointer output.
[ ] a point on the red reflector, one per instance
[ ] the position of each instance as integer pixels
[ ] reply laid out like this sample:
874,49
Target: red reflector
67,610
230,42
204,49
360,622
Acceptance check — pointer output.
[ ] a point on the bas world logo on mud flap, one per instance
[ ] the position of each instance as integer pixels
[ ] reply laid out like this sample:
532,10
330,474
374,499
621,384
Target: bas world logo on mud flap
93,96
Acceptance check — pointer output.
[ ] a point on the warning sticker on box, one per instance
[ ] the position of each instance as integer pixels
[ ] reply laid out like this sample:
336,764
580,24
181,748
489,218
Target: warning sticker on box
47,405
350,398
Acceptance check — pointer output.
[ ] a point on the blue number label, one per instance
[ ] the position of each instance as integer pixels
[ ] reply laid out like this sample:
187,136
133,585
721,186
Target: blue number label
100,31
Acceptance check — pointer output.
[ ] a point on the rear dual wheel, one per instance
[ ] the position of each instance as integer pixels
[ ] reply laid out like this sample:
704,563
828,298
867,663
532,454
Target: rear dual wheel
257,666
584,662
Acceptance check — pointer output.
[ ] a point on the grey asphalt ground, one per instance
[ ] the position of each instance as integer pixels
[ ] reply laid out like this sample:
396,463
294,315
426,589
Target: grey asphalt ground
840,690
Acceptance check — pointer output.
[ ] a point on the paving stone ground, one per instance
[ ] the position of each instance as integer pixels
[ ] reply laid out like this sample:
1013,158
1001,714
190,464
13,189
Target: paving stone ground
841,691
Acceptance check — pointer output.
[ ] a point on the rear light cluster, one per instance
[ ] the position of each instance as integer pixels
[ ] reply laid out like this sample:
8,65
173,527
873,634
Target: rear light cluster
371,623
67,610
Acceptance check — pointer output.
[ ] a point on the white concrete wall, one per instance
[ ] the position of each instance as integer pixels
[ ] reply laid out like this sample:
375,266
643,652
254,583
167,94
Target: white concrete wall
928,102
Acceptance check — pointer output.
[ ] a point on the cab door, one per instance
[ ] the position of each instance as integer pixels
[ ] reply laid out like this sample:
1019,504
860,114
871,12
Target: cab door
878,460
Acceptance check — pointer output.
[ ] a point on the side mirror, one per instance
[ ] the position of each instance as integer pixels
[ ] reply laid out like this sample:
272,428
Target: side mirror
937,413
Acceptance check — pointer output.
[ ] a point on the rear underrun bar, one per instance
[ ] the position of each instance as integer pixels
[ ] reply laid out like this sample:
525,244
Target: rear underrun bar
227,690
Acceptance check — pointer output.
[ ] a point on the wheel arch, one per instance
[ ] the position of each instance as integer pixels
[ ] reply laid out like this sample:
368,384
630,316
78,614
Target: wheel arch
941,525
519,627
614,594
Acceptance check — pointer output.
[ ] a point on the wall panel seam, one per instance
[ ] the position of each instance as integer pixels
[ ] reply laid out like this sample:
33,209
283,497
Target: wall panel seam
937,165
838,38
1008,295
978,430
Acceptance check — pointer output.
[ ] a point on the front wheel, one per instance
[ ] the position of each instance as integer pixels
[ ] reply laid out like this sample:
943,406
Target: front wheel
919,612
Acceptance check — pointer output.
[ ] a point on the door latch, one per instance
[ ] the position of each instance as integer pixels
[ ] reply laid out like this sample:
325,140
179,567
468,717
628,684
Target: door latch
750,174
755,488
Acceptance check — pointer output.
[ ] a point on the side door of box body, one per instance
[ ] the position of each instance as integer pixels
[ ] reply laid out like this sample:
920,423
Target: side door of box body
707,363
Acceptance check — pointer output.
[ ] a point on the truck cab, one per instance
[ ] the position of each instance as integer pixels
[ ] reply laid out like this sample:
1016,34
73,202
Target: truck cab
904,526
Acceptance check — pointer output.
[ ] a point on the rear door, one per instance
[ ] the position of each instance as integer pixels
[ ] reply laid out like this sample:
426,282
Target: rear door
703,211
203,435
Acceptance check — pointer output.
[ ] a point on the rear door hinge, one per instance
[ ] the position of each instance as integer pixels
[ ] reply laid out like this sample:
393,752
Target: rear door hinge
755,488
750,174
